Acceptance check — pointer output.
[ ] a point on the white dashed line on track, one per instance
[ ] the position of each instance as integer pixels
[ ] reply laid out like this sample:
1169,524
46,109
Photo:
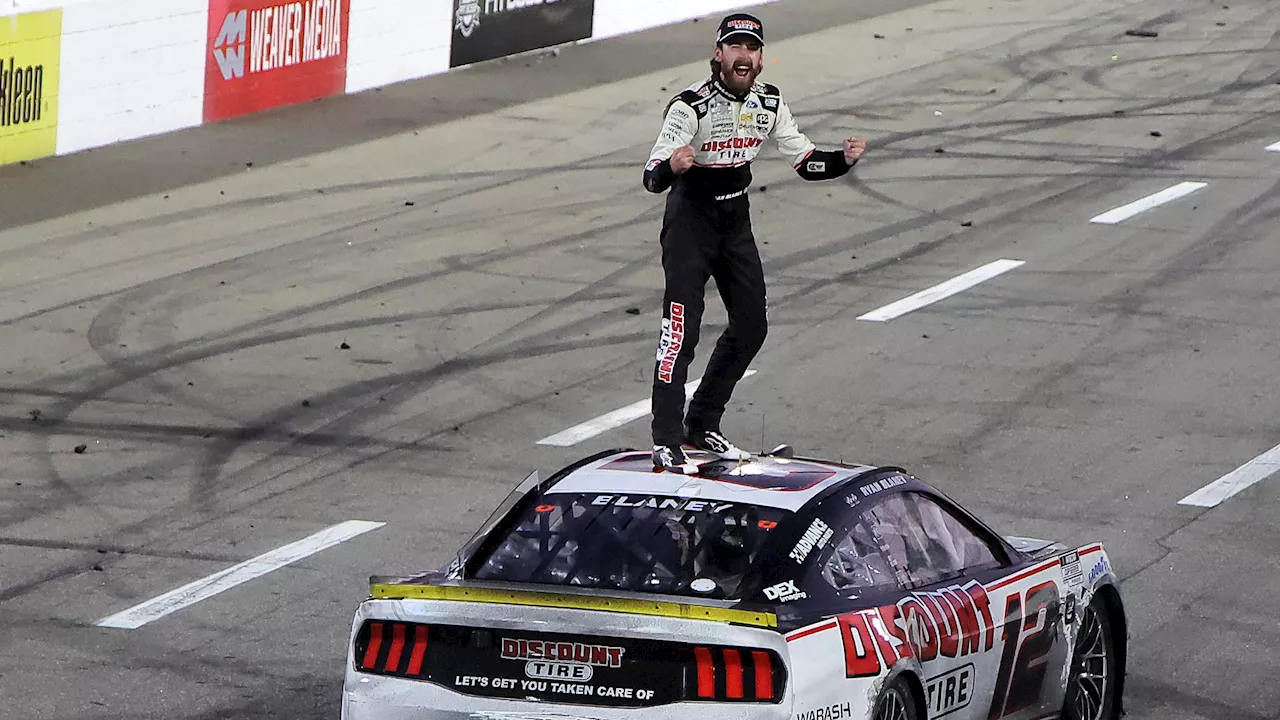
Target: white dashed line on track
941,291
1273,147
191,593
617,418
1245,476
1168,195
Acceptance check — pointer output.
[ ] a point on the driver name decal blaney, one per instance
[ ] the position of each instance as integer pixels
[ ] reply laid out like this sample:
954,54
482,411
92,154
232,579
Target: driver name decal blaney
657,503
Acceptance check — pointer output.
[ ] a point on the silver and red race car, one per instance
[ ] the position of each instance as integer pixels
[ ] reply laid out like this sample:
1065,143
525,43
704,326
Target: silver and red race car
777,587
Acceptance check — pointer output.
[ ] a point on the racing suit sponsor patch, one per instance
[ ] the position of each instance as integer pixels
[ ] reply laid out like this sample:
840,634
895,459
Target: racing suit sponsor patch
738,143
671,343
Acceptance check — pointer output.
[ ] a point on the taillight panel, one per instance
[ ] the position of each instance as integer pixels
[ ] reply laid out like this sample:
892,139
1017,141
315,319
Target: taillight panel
392,648
574,669
731,674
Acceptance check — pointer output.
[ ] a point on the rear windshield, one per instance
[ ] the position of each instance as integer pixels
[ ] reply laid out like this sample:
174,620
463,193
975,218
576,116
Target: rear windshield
638,543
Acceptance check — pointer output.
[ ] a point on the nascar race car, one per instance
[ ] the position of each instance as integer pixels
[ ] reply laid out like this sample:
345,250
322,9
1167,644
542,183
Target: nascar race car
777,587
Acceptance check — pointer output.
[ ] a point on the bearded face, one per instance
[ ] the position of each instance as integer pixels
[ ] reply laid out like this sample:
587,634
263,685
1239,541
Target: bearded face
741,62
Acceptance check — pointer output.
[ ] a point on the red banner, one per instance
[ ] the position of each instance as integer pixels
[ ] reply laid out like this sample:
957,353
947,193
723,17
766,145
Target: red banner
267,53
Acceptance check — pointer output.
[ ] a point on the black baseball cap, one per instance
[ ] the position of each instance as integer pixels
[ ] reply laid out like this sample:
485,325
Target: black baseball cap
740,24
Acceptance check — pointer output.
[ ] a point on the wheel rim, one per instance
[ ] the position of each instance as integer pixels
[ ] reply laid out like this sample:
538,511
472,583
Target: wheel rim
894,707
1090,668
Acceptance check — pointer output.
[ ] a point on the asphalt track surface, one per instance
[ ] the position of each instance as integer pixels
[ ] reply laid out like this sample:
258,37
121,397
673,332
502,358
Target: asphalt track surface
182,316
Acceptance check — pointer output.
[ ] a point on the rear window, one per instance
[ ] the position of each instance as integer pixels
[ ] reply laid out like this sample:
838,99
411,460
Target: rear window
637,543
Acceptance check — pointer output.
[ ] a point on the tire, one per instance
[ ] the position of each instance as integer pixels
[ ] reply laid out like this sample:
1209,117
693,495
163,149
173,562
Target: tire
896,702
1091,683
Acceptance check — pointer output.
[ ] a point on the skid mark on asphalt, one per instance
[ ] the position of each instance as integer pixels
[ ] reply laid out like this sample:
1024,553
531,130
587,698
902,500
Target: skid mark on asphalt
219,582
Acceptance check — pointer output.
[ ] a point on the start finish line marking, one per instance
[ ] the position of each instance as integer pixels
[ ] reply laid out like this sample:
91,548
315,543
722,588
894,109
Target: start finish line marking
617,418
191,593
941,291
1245,476
1168,195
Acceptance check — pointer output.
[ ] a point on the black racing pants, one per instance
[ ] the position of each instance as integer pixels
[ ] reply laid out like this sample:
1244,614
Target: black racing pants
701,239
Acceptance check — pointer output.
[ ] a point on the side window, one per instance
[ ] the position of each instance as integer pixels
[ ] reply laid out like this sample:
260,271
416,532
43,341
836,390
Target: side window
855,564
923,541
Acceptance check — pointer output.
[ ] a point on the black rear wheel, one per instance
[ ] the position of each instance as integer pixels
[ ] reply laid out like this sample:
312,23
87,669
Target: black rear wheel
896,702
1091,683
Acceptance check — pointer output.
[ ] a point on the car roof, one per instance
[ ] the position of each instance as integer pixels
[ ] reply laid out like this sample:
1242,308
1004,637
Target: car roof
783,483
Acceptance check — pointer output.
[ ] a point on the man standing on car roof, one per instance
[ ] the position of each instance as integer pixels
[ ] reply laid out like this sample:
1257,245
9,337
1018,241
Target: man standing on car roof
710,134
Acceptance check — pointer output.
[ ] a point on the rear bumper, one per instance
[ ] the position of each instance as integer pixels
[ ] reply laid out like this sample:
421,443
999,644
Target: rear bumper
369,696
374,697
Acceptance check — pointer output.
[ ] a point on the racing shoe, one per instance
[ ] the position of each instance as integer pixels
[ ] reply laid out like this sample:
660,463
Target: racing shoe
713,442
672,458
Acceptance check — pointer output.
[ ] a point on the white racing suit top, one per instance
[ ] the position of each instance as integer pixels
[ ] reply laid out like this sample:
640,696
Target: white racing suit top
726,133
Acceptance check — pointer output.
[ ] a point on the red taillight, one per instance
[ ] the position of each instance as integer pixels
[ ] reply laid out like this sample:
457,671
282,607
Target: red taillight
764,675
419,649
397,646
741,674
732,673
392,660
375,644
706,673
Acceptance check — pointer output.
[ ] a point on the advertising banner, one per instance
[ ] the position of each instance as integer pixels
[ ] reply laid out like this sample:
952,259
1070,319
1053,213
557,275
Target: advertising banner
488,29
264,54
30,49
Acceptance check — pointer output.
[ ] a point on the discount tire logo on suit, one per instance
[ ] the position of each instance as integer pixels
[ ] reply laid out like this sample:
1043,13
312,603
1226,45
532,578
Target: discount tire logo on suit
30,48
264,54
489,29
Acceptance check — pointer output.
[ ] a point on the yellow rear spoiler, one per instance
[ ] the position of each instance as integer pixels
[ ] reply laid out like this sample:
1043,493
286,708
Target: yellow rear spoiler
453,593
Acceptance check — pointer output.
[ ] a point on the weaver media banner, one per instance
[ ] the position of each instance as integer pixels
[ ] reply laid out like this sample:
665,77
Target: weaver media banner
264,54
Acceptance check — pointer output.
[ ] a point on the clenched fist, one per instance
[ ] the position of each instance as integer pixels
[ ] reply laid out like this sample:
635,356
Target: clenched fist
853,149
682,160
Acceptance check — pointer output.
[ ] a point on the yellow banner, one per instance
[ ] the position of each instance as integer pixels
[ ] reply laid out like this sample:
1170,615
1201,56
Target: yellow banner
30,48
